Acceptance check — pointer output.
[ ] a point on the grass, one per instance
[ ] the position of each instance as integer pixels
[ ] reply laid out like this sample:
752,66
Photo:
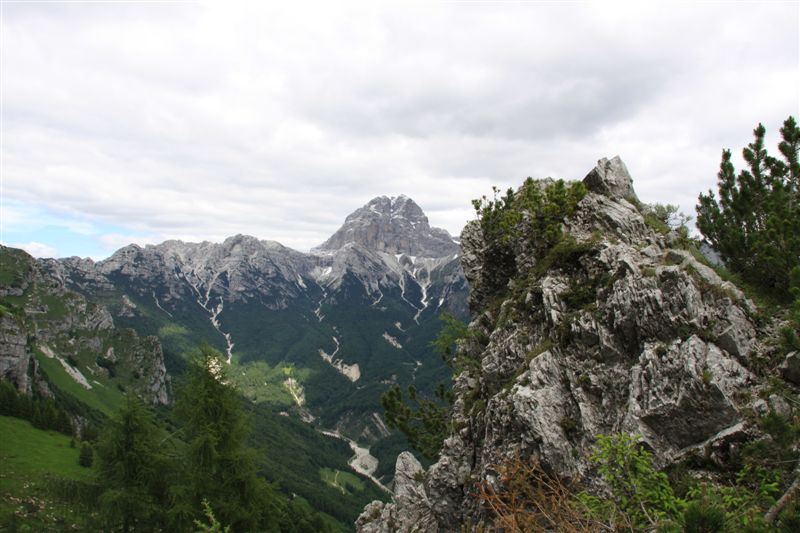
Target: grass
103,398
13,263
344,481
171,329
260,382
30,459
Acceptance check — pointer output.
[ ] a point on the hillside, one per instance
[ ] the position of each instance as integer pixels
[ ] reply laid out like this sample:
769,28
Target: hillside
32,460
55,342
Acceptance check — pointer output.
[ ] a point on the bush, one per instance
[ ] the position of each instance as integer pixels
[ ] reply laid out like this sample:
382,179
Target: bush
641,496
537,209
525,499
701,517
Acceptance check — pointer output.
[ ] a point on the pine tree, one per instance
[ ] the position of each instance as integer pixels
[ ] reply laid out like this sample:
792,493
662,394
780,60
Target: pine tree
218,465
132,470
755,225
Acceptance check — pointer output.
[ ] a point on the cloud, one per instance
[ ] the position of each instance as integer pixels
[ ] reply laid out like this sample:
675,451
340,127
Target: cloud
199,121
114,241
37,249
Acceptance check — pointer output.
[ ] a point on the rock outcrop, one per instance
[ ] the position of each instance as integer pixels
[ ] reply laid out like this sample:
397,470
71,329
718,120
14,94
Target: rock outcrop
621,332
40,317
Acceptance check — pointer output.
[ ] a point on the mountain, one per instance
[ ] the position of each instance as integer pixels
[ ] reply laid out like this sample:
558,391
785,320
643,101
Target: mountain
618,327
319,334
395,226
57,343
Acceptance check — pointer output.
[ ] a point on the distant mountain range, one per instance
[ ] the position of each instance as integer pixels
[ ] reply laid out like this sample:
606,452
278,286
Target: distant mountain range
319,334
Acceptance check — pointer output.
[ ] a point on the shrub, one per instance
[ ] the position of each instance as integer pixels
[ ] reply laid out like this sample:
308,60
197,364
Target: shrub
537,209
641,496
525,498
702,517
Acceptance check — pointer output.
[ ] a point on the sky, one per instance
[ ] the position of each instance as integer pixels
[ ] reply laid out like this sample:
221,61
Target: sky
142,121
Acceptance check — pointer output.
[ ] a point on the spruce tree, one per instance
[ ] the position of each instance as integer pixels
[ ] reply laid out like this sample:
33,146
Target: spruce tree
218,466
755,224
132,470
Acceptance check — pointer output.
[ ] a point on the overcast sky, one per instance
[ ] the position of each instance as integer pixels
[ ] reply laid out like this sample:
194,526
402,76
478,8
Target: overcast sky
145,121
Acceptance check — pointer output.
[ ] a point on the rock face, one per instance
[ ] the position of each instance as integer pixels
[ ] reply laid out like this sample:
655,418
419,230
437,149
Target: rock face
393,225
628,335
386,245
411,511
41,318
15,359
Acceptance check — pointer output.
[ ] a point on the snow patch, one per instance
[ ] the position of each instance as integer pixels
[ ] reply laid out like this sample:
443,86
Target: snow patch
213,311
158,304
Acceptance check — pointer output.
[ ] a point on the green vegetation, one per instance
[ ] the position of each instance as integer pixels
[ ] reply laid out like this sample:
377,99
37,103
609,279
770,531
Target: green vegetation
102,398
213,525
537,209
292,452
86,457
43,413
642,497
259,382
131,470
14,265
170,329
343,481
31,460
216,464
755,224
424,421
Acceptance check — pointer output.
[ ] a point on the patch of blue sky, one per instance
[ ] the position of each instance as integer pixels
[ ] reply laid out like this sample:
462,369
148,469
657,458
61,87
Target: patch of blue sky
44,232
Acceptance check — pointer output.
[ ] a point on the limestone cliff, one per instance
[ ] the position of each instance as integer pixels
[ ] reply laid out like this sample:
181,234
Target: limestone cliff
41,322
619,330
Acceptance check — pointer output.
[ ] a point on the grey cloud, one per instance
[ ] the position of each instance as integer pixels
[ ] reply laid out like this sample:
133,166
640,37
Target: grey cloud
210,119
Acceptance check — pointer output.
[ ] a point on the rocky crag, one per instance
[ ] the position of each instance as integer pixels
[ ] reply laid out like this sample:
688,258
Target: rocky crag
44,324
617,330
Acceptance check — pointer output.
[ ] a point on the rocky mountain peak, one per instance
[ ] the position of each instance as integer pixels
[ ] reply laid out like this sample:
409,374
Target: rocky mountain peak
394,225
611,178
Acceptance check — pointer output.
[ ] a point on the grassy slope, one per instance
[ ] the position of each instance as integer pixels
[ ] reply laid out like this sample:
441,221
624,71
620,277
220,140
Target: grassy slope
103,397
29,459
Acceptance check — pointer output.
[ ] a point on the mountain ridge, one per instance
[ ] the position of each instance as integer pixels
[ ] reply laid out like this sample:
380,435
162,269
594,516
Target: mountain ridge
330,328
